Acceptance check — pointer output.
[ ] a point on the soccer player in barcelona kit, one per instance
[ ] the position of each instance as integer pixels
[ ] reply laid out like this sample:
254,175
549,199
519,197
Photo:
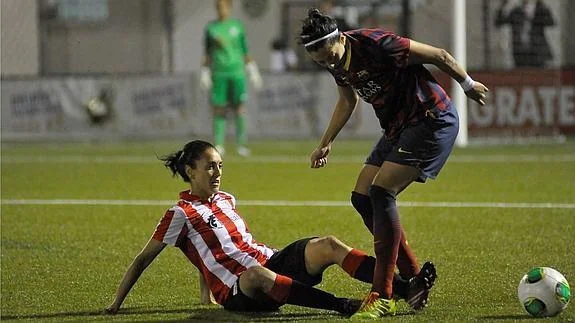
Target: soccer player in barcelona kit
223,72
242,274
419,125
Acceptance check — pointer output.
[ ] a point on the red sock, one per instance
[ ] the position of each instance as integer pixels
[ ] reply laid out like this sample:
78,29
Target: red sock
352,261
406,261
281,289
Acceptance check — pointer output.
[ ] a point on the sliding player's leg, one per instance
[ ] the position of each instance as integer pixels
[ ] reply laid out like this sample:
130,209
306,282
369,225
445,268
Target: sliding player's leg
260,289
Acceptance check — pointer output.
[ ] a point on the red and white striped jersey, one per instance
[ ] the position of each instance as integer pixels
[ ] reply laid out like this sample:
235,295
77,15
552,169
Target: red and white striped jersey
215,239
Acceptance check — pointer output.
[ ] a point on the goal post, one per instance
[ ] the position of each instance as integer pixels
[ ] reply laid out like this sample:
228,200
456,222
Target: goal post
459,42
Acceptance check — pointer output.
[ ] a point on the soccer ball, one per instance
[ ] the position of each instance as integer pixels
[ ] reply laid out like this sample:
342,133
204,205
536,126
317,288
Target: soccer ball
544,291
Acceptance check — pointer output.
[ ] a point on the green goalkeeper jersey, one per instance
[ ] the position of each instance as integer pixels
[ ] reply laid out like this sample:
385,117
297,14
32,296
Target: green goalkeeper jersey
225,45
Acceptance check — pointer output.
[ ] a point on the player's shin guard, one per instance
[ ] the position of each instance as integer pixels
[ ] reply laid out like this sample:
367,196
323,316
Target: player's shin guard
387,238
362,205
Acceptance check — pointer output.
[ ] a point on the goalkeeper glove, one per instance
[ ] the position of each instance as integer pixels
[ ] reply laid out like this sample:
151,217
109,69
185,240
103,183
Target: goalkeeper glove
254,75
205,78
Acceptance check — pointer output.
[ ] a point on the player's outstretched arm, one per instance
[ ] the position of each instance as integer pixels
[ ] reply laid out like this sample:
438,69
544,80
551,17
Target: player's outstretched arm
425,54
344,107
140,263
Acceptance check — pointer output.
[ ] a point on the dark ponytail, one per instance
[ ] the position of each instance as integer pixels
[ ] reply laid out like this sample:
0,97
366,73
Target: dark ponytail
192,151
316,26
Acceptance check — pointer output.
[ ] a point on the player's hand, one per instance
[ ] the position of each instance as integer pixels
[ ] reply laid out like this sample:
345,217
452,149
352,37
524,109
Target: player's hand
319,156
257,81
478,93
207,300
254,75
205,79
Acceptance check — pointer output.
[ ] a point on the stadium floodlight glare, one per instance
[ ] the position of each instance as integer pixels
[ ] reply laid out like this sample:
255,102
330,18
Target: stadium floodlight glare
459,52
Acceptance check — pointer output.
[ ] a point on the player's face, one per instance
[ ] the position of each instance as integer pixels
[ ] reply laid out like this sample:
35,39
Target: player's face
206,177
330,55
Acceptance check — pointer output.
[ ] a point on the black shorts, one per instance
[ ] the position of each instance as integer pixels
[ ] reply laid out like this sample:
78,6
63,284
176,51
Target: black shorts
290,262
425,146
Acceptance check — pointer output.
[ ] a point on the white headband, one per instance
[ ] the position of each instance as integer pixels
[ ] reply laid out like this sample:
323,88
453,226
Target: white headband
333,33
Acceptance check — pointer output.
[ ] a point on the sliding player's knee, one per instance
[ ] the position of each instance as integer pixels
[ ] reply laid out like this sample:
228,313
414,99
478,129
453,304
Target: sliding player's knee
257,277
326,247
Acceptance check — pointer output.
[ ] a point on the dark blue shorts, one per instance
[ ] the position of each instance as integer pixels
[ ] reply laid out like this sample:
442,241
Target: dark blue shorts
425,146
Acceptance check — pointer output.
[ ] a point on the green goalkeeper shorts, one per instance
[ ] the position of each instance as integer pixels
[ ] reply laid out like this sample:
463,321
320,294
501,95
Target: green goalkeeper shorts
228,89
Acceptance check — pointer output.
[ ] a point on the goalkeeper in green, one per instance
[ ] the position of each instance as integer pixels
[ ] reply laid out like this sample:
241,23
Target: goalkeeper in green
223,72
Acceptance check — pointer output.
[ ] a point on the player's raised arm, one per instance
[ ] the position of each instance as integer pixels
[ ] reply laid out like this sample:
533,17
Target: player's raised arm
140,263
425,54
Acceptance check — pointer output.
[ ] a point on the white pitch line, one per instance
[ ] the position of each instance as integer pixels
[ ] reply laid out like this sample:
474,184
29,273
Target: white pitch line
290,159
294,203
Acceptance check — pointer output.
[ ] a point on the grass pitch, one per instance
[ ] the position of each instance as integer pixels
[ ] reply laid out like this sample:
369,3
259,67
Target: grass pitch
73,218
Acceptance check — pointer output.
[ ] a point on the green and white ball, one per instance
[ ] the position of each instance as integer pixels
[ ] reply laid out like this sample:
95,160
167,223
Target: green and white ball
544,291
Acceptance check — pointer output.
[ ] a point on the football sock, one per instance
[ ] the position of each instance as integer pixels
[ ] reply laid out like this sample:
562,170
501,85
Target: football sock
387,238
281,289
362,205
219,130
290,291
406,261
241,130
361,266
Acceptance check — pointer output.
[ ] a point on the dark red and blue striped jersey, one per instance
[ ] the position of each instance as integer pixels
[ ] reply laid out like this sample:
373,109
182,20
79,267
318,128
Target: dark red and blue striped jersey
375,65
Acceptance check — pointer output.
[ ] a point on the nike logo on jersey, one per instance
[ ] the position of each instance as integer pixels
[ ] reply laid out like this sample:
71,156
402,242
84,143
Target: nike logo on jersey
403,151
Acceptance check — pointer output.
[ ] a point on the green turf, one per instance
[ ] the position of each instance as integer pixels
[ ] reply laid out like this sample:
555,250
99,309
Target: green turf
63,262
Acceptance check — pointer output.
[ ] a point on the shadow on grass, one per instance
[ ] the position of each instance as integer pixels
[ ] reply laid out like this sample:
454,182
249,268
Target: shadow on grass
278,316
196,314
126,311
222,315
507,317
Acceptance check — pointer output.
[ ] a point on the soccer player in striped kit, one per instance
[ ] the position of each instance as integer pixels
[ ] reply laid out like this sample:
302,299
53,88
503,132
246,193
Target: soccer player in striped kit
419,126
242,274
